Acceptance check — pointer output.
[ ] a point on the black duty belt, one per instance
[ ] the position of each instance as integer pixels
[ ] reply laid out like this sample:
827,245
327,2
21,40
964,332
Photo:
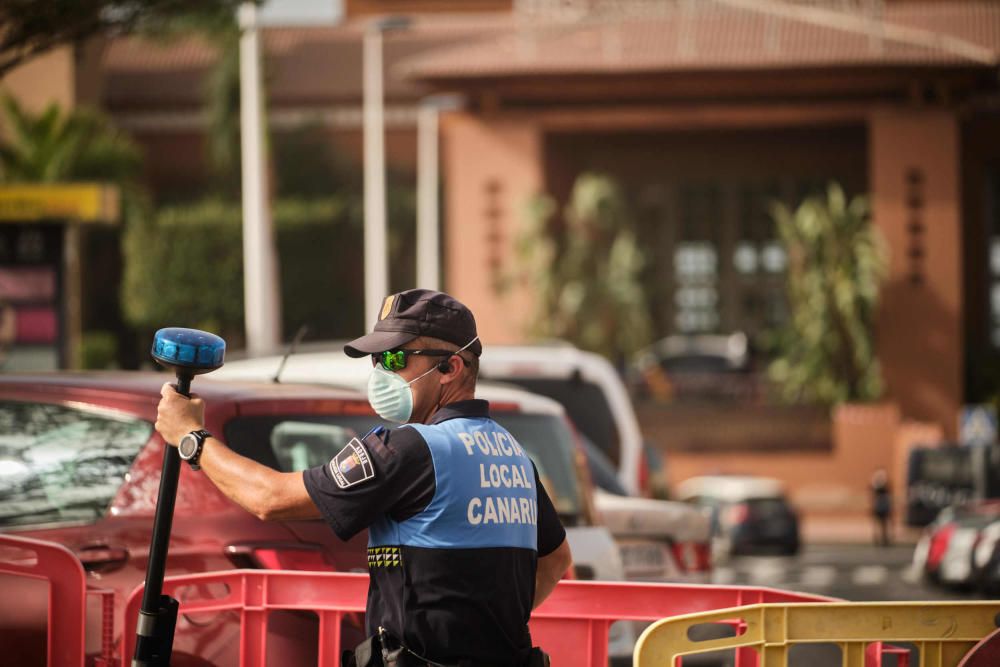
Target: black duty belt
384,650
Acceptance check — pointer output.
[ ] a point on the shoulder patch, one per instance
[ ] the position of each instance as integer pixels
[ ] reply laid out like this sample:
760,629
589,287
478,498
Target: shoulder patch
352,465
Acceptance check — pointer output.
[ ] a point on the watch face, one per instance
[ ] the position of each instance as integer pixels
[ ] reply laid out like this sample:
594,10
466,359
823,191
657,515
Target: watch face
187,446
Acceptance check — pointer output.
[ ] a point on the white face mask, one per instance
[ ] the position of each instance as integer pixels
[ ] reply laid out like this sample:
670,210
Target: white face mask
390,395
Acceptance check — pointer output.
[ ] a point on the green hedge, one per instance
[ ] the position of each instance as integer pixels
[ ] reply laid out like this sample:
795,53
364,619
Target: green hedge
184,267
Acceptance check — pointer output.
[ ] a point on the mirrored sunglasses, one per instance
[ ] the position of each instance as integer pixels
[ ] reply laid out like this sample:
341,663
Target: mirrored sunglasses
395,360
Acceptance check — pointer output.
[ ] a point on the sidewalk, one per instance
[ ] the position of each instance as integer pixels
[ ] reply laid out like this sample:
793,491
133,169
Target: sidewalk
849,529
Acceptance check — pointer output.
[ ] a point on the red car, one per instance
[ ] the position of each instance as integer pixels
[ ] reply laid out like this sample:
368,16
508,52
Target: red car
80,465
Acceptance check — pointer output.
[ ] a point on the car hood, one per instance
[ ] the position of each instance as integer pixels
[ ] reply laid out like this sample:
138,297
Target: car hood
647,517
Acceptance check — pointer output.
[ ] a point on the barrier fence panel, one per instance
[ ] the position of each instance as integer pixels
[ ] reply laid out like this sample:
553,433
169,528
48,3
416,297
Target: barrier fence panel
255,593
67,603
572,625
943,632
107,600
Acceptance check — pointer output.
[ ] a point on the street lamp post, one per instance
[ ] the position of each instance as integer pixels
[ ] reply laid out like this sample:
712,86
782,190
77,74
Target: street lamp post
260,274
376,253
428,189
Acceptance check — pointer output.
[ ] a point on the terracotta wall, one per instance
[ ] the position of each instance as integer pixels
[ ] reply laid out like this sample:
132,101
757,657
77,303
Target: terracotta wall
864,439
47,78
491,171
916,200
68,76
831,488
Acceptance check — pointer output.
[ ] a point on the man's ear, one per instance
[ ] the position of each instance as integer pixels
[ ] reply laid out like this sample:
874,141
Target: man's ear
450,369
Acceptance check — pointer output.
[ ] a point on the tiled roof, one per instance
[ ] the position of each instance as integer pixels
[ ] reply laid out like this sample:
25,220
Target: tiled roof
731,35
322,65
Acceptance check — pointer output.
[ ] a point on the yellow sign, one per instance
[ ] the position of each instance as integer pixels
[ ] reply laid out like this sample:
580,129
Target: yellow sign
72,202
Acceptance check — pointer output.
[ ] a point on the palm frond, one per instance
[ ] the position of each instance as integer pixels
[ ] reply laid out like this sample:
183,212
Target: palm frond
836,264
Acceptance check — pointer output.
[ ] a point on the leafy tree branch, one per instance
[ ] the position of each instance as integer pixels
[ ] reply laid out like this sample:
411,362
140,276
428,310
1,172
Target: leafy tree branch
31,27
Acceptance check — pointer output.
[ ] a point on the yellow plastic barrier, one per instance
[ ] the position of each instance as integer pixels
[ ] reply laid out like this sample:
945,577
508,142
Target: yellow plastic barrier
942,631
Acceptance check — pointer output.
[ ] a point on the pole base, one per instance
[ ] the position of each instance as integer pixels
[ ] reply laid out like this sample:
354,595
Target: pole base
154,637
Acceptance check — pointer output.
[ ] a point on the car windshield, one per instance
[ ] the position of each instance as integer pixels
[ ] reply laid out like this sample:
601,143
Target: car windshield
602,470
292,443
62,464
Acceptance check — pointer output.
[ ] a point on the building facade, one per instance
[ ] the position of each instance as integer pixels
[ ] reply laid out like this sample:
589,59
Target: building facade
705,115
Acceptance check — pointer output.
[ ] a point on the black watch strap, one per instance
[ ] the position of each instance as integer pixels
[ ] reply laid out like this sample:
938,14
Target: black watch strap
200,436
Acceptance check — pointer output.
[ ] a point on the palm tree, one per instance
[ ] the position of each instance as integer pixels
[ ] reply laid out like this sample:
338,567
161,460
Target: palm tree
586,270
57,146
836,264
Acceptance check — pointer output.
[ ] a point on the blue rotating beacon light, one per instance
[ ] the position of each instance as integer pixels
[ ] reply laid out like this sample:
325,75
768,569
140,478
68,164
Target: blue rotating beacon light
188,352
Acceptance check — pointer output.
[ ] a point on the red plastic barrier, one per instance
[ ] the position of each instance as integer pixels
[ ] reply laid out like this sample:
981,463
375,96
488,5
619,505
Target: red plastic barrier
107,598
876,652
36,559
572,625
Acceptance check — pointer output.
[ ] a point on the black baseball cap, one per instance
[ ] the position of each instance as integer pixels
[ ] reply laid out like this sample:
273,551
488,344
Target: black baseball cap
415,313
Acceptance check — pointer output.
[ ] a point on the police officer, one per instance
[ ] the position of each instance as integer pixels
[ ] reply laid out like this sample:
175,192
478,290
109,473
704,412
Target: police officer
463,540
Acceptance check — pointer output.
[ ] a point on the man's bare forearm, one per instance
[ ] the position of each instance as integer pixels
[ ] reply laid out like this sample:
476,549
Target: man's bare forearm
267,494
551,569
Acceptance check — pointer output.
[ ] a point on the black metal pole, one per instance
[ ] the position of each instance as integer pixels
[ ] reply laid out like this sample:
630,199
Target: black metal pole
158,612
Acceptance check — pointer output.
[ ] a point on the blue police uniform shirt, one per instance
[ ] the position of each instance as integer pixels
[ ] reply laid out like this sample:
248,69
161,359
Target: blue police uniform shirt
457,518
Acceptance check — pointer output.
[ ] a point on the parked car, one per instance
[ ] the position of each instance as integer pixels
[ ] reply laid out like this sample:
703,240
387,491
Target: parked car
986,560
660,540
933,543
749,514
946,475
84,461
80,464
695,367
947,550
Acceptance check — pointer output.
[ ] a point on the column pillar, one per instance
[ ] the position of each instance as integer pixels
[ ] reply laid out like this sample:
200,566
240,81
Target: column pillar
916,204
492,170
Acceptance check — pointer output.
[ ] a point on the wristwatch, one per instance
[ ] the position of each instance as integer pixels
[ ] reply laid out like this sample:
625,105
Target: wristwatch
190,447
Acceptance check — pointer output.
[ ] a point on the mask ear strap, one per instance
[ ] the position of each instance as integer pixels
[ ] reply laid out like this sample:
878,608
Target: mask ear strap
467,345
444,366
428,372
